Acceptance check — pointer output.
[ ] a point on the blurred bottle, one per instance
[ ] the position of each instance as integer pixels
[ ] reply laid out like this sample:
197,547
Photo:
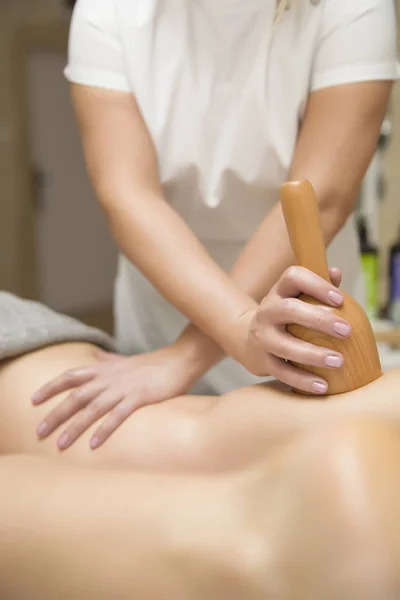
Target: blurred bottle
370,266
394,275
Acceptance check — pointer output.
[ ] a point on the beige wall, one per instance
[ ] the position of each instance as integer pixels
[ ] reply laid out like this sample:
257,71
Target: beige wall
13,14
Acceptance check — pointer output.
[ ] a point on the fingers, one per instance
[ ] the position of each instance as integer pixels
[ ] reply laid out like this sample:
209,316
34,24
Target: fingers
72,404
296,378
94,411
297,280
116,417
64,382
336,276
292,310
283,345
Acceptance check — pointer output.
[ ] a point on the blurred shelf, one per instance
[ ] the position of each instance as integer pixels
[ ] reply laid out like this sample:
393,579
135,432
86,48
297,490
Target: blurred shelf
390,337
386,333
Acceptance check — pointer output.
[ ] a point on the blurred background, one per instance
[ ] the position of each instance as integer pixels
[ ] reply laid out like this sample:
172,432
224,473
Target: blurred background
54,245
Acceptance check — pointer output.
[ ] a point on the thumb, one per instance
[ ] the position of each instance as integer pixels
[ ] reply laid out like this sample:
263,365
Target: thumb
336,276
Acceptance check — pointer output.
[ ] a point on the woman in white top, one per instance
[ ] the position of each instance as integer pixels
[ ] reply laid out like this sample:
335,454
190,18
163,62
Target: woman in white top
193,113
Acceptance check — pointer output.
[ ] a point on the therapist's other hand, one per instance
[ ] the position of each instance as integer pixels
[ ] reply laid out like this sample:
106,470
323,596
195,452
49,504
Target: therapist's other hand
113,388
270,345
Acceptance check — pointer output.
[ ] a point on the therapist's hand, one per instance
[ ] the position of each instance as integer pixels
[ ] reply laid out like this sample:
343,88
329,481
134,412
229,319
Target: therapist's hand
270,346
113,388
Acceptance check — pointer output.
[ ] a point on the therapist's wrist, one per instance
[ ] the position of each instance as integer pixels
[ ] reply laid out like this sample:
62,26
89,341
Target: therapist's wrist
234,330
198,351
237,344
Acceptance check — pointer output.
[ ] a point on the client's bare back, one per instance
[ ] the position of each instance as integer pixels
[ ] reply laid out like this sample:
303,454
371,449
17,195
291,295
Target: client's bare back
190,433
283,491
155,436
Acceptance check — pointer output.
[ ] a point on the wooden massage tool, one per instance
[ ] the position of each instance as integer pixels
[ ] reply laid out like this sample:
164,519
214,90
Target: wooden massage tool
361,359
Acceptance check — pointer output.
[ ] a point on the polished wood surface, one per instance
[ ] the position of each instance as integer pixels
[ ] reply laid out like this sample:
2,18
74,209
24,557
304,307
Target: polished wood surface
361,359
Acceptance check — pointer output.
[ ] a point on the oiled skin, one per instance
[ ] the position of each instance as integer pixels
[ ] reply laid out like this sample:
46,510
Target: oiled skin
304,506
188,433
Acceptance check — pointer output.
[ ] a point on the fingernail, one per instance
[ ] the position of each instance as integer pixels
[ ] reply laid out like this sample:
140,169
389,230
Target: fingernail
78,372
342,329
63,440
94,442
42,429
319,387
335,297
35,398
334,361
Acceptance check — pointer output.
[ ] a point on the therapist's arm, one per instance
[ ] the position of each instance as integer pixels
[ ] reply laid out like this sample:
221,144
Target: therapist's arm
123,166
336,142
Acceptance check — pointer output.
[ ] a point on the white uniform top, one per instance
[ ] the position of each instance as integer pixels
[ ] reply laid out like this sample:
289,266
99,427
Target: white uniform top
222,91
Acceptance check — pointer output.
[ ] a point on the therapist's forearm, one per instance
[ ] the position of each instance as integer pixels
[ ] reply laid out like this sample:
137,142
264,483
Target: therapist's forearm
156,239
263,260
123,165
269,253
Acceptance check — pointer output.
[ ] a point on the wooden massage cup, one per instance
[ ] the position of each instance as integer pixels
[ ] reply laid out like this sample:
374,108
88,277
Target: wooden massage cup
361,359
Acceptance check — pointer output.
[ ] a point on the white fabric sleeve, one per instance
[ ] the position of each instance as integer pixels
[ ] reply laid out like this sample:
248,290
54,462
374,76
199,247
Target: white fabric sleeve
95,56
357,42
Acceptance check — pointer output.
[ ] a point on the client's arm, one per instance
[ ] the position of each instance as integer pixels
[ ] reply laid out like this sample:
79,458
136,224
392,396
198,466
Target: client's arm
108,534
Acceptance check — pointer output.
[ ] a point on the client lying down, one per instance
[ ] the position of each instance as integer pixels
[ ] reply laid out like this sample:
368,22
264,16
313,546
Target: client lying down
304,504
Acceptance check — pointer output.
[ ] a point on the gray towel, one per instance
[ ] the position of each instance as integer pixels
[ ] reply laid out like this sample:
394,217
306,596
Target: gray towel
26,326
